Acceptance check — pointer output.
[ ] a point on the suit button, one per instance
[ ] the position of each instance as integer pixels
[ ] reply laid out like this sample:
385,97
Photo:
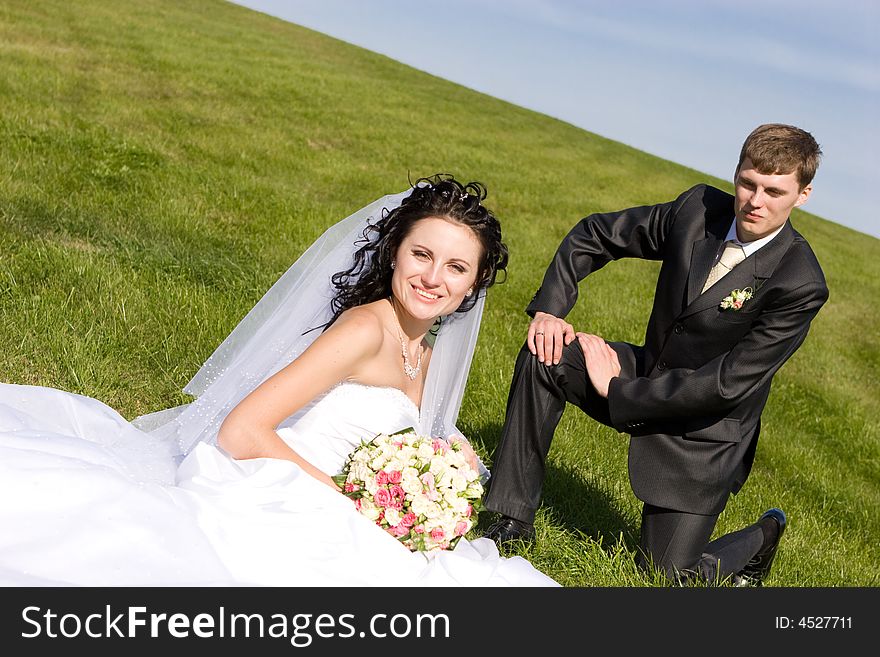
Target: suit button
662,365
678,328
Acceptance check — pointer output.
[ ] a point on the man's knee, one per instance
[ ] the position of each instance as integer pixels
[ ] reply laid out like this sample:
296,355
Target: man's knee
527,364
572,356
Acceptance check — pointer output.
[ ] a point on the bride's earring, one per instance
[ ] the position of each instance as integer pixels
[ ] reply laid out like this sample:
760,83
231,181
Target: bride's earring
469,292
392,264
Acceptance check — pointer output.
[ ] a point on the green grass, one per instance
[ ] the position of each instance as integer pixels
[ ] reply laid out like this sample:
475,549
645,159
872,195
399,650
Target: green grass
163,163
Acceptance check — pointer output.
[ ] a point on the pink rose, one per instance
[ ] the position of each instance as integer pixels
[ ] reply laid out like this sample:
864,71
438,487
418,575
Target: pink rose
440,446
469,511
382,497
351,488
395,476
461,528
382,478
737,304
409,519
419,529
398,495
437,533
399,531
431,493
357,504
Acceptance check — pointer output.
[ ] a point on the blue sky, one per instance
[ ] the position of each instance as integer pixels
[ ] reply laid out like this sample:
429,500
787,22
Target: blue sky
683,79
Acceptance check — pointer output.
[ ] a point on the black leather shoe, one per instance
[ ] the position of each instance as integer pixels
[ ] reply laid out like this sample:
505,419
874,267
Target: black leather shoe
759,567
508,529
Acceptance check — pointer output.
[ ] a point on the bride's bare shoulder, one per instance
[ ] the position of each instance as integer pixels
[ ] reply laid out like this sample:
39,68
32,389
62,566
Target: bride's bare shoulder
366,322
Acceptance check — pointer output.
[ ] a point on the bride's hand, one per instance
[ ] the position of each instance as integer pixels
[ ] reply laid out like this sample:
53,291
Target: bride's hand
467,450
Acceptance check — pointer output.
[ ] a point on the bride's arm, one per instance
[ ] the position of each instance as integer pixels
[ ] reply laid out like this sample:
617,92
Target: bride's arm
249,429
472,457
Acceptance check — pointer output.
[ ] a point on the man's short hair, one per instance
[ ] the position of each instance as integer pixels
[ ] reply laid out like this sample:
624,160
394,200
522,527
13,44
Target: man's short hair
776,148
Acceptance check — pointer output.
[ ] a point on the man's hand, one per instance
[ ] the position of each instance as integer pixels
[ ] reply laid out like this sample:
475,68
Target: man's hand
547,336
601,361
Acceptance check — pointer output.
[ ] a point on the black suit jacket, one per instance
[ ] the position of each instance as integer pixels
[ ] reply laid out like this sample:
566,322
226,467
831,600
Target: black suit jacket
691,398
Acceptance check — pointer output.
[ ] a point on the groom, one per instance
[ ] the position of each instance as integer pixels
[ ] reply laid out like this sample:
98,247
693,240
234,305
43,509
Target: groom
737,290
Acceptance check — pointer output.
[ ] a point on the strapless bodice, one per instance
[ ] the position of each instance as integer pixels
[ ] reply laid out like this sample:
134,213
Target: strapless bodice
328,429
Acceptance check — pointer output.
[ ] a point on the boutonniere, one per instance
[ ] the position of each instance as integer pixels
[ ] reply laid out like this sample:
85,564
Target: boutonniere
736,299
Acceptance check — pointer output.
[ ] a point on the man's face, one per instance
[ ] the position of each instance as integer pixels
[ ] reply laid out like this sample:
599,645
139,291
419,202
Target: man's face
764,202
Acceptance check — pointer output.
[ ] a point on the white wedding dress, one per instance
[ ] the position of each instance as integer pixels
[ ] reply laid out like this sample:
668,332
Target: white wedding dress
88,499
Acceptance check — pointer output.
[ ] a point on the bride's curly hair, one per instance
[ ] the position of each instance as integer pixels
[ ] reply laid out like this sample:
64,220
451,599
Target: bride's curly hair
369,277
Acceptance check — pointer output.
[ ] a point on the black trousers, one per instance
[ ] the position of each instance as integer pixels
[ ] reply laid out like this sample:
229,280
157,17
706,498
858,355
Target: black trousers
676,542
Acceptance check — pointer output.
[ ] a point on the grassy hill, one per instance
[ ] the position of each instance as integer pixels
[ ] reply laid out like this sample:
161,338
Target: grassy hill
163,163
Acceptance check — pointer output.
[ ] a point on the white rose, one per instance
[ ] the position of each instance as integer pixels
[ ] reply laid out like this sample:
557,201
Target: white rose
448,527
420,504
433,510
369,509
457,459
460,506
450,497
393,516
410,482
459,482
438,467
393,464
445,479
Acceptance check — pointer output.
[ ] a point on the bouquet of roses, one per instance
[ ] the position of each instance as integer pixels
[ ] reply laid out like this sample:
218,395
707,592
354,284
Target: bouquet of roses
421,490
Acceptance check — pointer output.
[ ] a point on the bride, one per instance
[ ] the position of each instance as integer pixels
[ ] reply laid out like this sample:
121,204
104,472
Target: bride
235,488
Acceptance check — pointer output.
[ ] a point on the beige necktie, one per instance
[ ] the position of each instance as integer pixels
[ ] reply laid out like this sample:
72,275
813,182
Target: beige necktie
732,255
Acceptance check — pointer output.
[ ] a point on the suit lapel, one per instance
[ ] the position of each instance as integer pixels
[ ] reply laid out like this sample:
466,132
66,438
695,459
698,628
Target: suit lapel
704,251
768,257
751,272
702,259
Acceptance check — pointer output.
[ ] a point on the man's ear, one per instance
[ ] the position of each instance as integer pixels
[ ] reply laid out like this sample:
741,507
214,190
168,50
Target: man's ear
804,195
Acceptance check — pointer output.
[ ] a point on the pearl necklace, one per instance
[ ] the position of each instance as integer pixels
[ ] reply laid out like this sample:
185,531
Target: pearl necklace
408,369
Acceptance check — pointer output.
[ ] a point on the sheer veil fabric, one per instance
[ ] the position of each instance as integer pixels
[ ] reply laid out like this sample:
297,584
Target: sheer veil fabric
287,319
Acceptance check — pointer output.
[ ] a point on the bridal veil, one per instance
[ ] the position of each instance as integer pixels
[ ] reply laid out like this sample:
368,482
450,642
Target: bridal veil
286,321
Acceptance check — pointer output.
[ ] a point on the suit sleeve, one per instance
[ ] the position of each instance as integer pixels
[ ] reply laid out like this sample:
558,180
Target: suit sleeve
597,240
722,383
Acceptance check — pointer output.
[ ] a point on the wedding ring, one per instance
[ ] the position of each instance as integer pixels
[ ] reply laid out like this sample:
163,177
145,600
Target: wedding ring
539,332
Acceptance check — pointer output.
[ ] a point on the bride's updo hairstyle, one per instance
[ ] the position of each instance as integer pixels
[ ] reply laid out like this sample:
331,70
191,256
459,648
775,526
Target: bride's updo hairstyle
369,277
